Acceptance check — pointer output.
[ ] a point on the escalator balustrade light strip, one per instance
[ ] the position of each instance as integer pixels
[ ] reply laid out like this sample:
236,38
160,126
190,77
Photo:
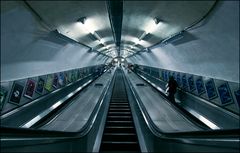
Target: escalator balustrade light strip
204,120
54,106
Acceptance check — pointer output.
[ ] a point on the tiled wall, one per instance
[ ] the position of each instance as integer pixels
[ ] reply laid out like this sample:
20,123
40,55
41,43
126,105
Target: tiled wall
19,92
220,92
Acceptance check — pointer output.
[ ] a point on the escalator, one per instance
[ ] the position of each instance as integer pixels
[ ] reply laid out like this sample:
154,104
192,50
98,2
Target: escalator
119,133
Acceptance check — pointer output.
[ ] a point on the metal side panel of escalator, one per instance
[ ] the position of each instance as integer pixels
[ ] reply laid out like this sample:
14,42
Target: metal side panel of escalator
119,133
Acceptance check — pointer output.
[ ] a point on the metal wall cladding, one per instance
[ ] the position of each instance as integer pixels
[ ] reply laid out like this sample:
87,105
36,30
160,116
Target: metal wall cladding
223,93
20,92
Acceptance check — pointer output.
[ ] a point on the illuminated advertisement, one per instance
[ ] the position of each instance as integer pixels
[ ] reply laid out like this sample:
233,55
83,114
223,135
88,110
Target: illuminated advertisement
16,93
210,87
49,82
40,85
169,74
191,83
237,95
30,87
3,96
166,76
184,82
163,75
178,79
61,79
55,80
173,75
224,94
200,85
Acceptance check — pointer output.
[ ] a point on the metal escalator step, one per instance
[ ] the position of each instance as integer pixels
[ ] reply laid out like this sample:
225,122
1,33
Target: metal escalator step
120,146
119,109
121,137
122,129
119,113
119,118
119,106
120,103
119,123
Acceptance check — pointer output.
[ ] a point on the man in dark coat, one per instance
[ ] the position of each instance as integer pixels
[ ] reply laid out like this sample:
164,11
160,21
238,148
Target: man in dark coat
171,88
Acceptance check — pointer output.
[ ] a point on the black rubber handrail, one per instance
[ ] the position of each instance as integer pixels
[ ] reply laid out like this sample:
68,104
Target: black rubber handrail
233,133
11,132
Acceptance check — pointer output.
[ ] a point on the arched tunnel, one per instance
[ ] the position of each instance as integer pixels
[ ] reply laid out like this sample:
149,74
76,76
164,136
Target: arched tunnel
120,76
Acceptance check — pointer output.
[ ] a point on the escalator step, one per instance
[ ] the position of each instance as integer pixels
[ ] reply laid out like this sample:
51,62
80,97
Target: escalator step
124,146
119,118
119,137
119,109
119,113
119,123
118,129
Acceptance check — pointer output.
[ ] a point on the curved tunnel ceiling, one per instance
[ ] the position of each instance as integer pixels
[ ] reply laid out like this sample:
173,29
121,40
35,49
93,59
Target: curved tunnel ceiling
138,27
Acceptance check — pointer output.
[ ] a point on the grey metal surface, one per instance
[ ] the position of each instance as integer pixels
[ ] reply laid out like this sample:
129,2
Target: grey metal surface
166,118
75,116
210,114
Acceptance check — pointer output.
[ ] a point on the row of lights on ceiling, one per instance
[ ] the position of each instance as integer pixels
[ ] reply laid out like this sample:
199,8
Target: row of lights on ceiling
156,20
150,29
82,20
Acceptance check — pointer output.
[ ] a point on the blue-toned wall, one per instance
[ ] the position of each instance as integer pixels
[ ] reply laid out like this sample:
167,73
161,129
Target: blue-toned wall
222,93
210,49
29,48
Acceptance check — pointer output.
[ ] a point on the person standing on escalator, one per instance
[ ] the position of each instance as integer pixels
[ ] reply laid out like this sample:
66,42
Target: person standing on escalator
171,88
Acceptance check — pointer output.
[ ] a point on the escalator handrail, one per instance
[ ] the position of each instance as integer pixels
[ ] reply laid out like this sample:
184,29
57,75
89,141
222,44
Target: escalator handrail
8,133
213,134
9,113
229,112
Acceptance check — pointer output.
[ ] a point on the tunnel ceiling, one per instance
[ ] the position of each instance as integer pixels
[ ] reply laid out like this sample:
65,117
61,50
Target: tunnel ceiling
143,23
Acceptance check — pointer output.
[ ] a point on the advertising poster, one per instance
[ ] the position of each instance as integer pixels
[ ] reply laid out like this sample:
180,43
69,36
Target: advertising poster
184,82
61,79
69,76
169,74
163,75
49,82
174,75
200,85
30,87
16,93
55,80
178,79
3,96
237,94
211,91
78,74
191,83
224,94
40,85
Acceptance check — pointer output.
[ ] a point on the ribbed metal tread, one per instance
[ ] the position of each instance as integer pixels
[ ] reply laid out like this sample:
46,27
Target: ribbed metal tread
119,133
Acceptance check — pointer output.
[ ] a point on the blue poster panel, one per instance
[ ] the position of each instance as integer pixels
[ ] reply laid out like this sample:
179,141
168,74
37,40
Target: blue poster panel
163,74
211,91
237,95
55,80
40,86
191,83
178,79
49,82
200,86
61,79
3,96
30,87
16,93
174,75
224,94
184,82
166,76
169,74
